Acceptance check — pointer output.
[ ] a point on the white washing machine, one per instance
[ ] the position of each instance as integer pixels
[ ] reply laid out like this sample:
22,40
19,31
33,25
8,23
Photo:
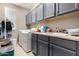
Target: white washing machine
25,39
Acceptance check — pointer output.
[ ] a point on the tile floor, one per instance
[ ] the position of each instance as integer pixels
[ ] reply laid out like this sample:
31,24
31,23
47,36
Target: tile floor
19,51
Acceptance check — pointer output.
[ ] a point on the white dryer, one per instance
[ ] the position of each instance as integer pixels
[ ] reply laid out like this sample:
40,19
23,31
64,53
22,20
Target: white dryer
25,39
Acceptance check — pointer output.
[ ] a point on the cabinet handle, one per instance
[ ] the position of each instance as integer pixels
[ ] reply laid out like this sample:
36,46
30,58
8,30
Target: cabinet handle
76,5
43,42
58,7
53,45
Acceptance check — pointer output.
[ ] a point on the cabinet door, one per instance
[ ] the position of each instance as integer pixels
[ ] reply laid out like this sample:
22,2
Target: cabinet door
49,10
42,48
66,7
34,45
64,43
28,18
60,51
39,12
77,48
33,16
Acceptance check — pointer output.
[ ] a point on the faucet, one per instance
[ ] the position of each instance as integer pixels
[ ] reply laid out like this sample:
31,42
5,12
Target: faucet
57,29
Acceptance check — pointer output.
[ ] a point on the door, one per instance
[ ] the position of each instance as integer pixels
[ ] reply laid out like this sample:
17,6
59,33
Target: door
49,10
10,13
34,45
60,51
42,48
66,7
39,12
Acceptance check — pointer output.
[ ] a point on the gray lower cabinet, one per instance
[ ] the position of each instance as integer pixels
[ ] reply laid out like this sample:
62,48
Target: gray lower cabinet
34,45
49,10
60,51
53,46
42,48
66,7
39,12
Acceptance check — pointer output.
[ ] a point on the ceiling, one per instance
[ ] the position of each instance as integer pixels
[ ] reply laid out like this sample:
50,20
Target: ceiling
27,6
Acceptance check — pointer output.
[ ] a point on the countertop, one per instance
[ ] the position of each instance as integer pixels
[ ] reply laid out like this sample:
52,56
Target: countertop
59,35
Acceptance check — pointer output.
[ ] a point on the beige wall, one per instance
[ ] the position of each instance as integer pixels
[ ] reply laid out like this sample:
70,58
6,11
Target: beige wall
66,21
20,15
1,10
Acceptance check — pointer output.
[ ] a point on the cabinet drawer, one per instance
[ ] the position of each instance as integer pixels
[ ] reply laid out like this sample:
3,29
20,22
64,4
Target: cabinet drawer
60,51
34,35
64,43
42,37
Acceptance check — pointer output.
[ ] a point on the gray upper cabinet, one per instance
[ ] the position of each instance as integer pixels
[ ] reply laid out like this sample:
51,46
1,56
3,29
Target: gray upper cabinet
33,16
49,10
28,18
66,7
39,12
